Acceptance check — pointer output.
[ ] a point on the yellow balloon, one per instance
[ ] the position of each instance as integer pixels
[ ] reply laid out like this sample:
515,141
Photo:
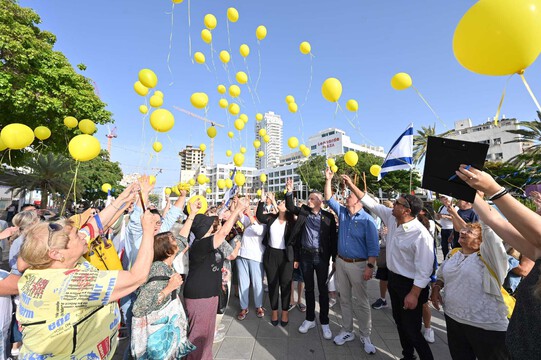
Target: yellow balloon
234,91
201,179
263,178
175,190
331,89
302,147
70,122
206,36
334,168
231,134
106,187
401,81
199,57
204,204
260,153
293,142
143,109
239,124
257,144
331,162
167,191
84,147
220,183
351,158
258,192
240,179
224,56
259,116
140,89
232,14
157,146
499,37
244,118
266,138
210,21
191,182
156,101
305,47
242,150
221,89
212,132
202,147
228,153
208,190
305,152
261,32
17,136
241,77
244,50
292,107
234,109
352,105
262,132
375,170
290,99
42,132
238,159
158,93
148,78
199,100
228,183
2,145
175,2
223,103
87,126
162,120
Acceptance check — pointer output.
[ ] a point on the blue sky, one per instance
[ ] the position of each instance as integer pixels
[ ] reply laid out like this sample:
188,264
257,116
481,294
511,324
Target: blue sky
362,43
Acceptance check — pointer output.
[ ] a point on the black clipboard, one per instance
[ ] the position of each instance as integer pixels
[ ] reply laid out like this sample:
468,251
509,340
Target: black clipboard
443,158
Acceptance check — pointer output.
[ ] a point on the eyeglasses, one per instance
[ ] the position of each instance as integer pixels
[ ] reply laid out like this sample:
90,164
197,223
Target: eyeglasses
158,223
53,227
468,231
406,204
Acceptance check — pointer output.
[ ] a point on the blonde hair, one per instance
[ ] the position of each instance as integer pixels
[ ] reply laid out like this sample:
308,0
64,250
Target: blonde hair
23,221
36,246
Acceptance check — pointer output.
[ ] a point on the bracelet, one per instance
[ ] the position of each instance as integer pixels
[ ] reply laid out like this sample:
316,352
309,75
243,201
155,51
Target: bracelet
189,218
120,208
502,189
499,194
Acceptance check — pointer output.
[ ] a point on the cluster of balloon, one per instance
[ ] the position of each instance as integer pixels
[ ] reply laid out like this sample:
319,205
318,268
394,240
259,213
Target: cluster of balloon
332,165
291,104
375,170
147,80
351,158
304,150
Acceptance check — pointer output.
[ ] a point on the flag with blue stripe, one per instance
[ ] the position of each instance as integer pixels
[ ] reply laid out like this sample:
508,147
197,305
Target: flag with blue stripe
400,157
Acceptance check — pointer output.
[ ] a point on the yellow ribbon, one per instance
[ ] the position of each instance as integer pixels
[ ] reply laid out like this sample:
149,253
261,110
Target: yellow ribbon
427,104
497,116
529,90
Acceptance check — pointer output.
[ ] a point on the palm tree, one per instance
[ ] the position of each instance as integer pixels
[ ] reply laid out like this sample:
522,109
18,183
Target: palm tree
50,173
420,142
532,134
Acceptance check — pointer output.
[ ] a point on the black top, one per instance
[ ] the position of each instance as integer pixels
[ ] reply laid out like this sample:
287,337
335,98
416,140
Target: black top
205,274
269,219
523,338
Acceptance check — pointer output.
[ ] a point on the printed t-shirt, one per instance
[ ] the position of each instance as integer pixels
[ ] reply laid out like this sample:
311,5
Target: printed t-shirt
66,314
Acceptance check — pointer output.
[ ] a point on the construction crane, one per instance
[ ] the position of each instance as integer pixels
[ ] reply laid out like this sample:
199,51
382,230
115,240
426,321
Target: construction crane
112,135
212,123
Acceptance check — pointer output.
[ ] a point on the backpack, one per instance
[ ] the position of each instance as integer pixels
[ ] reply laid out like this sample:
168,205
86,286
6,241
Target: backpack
508,299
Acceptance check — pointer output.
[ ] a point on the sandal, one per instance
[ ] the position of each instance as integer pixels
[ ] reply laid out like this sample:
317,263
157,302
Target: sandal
260,312
242,315
301,307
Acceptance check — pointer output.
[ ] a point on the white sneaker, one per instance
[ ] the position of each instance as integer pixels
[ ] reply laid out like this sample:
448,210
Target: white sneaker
326,330
344,337
306,325
368,346
332,302
428,333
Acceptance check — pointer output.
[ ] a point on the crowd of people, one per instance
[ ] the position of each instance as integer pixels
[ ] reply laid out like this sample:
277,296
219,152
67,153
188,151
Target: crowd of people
163,279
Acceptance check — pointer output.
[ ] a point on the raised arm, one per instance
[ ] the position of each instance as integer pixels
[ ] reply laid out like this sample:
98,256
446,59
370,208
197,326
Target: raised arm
328,184
358,192
458,222
194,208
260,213
290,206
220,235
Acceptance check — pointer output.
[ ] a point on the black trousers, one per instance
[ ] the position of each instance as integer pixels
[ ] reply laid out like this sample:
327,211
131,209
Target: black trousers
445,234
470,342
310,263
408,322
279,273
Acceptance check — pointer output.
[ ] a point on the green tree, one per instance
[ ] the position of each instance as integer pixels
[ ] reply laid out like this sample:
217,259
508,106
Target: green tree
48,173
511,176
38,86
532,132
420,142
399,181
96,172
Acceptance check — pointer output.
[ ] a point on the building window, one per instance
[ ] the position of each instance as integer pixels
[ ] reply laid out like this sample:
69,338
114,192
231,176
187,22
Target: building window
497,141
313,147
498,156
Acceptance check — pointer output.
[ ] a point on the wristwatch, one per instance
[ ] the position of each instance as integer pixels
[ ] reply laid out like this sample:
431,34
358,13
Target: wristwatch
370,265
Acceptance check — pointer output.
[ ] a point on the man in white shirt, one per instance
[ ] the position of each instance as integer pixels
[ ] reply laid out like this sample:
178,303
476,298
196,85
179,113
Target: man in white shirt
410,258
446,222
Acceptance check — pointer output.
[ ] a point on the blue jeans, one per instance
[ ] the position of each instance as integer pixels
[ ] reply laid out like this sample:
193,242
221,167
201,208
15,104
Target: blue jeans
250,271
126,307
311,262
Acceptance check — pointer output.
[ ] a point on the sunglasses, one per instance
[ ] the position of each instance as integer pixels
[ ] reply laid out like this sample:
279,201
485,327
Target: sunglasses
53,227
406,204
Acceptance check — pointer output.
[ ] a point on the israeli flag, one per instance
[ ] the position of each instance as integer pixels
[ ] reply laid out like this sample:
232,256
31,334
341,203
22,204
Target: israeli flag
400,157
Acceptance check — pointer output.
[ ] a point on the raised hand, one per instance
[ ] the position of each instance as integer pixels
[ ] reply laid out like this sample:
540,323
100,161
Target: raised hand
347,180
147,221
289,185
328,174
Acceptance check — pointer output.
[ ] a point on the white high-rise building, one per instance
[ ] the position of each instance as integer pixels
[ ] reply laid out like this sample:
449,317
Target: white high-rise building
191,158
273,149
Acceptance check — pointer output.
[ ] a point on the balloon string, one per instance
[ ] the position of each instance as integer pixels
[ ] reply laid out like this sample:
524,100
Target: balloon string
143,133
310,82
189,32
301,127
259,75
229,44
213,64
497,116
171,44
427,104
71,187
530,91
248,83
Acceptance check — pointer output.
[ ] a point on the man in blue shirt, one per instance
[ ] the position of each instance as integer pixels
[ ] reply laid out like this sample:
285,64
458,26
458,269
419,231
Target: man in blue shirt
358,248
